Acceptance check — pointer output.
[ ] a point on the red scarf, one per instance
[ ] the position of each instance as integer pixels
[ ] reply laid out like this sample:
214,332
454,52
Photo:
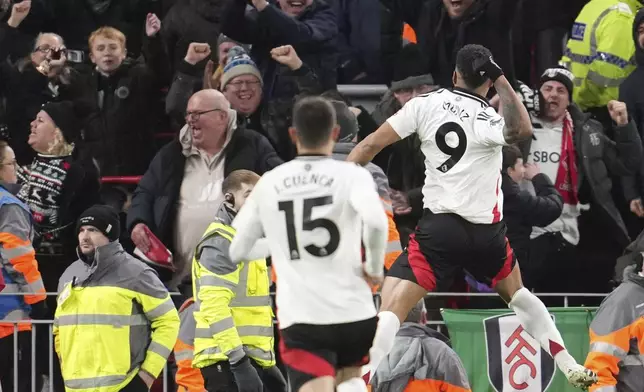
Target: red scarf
566,182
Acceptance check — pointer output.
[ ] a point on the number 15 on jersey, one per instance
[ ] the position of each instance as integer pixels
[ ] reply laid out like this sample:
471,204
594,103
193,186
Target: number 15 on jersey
308,224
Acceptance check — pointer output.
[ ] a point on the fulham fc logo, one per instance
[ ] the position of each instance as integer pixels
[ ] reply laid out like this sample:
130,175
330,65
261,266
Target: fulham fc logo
515,361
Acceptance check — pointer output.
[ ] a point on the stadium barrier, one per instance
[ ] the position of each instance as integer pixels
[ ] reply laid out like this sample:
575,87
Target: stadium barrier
517,355
367,95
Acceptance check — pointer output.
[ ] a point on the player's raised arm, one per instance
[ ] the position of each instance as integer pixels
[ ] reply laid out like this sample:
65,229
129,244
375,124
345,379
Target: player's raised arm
366,202
517,120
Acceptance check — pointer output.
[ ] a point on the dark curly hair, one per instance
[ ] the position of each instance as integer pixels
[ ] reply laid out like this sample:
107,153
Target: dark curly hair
465,59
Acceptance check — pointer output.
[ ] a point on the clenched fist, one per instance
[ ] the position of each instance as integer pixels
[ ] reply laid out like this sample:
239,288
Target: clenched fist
618,112
19,12
288,56
260,4
197,52
152,25
637,208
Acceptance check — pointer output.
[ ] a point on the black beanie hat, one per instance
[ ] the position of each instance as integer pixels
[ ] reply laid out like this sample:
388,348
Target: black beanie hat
104,218
65,118
410,69
561,75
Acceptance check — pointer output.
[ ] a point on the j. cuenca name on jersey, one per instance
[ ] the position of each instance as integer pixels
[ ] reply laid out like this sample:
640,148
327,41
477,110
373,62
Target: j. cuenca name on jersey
300,180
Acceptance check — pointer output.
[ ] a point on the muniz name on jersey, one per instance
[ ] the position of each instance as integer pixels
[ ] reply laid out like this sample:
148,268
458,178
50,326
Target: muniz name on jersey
456,110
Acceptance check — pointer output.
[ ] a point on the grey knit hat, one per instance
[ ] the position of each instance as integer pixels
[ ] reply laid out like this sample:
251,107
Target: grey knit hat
239,63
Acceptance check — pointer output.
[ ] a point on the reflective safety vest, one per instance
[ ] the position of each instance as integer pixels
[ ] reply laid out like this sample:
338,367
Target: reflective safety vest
617,338
113,319
233,311
188,378
600,51
19,267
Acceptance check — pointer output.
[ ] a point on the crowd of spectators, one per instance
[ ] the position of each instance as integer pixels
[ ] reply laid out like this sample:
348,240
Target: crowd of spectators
96,89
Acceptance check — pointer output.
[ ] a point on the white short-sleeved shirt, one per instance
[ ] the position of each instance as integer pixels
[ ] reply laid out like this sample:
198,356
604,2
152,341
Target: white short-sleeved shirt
306,208
461,137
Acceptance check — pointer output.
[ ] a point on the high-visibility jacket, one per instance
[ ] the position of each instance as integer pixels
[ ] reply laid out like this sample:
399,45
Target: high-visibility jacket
233,307
617,338
420,361
600,51
19,267
188,378
114,318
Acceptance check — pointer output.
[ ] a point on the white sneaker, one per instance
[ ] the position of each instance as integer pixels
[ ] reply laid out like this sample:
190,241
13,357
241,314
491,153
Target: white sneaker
580,377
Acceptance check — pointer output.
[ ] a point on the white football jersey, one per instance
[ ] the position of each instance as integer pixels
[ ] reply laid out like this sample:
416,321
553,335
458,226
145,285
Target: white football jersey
311,211
461,137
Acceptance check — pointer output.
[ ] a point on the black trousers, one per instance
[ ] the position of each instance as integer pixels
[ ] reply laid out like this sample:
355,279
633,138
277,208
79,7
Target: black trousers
24,364
219,378
136,385
550,267
556,266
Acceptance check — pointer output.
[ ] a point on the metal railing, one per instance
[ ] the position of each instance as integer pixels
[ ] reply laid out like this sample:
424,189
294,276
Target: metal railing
438,324
367,95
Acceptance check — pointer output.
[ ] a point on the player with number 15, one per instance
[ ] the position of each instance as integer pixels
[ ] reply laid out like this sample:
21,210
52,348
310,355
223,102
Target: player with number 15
315,213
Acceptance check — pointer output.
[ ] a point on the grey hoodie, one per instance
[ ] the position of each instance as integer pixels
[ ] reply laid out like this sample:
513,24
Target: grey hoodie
617,335
419,355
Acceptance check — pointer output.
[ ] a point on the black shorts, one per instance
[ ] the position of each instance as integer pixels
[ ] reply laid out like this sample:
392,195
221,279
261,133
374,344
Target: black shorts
445,245
312,351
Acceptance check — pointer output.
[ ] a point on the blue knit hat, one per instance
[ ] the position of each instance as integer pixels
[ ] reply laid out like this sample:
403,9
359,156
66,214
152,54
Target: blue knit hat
238,63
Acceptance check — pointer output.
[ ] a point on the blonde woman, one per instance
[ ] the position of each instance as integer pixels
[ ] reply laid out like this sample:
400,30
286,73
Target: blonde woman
57,186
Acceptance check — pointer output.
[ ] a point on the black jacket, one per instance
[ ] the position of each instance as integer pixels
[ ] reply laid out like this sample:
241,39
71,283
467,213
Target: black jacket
599,158
486,22
192,21
630,91
119,133
632,94
155,199
522,210
358,39
313,34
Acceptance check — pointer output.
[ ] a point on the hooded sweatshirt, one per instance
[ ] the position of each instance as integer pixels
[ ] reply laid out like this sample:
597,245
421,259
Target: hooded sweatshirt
420,361
617,337
199,198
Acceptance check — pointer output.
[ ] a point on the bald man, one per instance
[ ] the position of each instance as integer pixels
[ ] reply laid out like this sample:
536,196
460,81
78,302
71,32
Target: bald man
181,191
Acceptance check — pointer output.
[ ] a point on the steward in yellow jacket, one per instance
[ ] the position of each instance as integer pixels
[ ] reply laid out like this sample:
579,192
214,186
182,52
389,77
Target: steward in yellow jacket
234,340
600,51
617,337
115,324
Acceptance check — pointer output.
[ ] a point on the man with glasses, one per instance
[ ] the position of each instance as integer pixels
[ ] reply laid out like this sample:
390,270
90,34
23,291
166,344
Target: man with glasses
241,83
180,193
28,83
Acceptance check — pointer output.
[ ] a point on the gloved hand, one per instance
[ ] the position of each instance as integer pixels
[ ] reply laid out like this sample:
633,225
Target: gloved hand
488,68
530,98
246,376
